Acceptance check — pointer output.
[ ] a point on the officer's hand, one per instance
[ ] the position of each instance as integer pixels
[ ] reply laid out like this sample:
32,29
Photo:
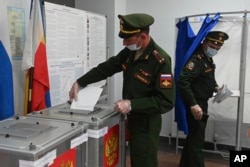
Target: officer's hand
217,89
73,91
196,112
123,106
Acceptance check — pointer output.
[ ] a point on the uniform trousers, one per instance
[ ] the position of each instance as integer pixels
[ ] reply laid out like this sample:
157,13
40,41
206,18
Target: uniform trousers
192,155
144,131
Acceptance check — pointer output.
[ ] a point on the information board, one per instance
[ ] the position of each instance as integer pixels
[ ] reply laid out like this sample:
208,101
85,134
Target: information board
75,42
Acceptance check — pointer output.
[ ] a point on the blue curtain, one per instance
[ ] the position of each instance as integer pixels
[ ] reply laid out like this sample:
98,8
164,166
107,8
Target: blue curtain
186,44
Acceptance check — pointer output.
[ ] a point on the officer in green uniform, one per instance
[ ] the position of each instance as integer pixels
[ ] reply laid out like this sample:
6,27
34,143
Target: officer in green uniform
148,88
197,84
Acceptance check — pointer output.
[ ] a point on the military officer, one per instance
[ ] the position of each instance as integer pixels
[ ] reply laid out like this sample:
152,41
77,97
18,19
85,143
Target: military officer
148,88
197,84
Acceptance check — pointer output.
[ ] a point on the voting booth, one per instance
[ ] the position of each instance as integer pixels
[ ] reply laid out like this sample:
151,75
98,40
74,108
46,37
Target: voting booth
106,131
36,142
228,123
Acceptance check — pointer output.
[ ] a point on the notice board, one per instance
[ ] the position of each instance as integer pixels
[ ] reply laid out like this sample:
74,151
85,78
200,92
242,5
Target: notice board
75,42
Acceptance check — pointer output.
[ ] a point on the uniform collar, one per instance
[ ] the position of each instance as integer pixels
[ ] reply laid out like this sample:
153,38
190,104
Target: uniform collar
147,52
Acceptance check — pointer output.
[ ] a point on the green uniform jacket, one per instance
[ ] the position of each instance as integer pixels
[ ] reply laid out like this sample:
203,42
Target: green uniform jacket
197,79
147,82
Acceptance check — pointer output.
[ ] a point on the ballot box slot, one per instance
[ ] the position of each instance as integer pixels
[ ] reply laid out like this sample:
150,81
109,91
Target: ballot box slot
81,112
24,130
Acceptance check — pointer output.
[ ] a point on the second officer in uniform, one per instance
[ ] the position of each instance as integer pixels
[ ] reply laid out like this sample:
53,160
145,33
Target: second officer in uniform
196,85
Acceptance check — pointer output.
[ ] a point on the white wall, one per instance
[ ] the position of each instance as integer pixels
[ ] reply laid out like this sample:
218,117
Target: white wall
166,11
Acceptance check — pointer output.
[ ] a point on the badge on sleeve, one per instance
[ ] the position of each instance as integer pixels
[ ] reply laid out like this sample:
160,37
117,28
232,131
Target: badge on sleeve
190,65
166,81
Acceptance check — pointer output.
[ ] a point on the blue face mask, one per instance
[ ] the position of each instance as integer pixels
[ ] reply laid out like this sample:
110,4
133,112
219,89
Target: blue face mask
210,52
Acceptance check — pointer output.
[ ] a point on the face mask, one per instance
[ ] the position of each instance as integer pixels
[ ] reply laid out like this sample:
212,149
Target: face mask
210,52
134,47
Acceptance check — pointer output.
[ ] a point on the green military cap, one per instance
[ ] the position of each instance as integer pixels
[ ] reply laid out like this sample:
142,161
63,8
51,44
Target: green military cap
217,37
134,23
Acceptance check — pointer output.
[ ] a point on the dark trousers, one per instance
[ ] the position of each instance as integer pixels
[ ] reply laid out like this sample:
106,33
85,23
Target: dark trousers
144,139
192,155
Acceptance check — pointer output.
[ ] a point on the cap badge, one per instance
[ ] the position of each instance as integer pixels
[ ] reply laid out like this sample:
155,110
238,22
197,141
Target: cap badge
221,34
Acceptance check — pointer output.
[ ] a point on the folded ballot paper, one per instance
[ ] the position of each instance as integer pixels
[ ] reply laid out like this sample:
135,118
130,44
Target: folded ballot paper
222,94
87,98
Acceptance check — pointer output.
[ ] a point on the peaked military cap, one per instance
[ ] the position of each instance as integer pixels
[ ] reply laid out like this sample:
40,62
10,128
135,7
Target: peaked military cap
134,23
217,37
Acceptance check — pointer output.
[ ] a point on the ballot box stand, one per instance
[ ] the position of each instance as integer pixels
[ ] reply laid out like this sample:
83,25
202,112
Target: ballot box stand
106,132
40,142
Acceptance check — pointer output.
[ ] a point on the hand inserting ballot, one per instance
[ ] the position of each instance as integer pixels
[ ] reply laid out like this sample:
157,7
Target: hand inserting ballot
123,106
73,91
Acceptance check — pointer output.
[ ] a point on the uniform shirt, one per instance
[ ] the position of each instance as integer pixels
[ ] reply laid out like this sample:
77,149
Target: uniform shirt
197,79
147,81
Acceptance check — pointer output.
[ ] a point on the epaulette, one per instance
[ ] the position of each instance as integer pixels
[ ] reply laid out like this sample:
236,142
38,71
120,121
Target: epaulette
200,56
159,57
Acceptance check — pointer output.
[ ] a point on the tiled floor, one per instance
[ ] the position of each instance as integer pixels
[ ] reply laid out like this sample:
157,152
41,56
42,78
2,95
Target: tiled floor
169,157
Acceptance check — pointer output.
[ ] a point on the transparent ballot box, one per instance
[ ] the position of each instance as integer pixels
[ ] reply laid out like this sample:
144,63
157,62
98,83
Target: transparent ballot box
106,132
40,142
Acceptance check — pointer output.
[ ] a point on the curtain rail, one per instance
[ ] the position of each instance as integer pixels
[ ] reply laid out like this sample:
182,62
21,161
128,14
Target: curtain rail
238,12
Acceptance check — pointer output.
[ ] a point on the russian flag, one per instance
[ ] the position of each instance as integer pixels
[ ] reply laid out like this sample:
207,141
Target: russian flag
35,61
6,85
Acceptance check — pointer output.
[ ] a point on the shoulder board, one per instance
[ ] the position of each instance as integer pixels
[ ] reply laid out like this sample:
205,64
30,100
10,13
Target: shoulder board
159,57
200,56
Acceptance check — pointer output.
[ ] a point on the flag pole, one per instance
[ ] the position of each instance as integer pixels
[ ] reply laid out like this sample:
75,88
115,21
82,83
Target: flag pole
28,91
29,105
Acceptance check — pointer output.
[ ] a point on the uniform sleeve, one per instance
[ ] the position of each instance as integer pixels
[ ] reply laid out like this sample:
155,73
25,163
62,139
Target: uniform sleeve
102,71
190,71
163,98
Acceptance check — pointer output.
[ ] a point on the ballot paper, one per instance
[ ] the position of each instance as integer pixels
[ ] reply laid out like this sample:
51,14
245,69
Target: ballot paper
222,94
87,98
